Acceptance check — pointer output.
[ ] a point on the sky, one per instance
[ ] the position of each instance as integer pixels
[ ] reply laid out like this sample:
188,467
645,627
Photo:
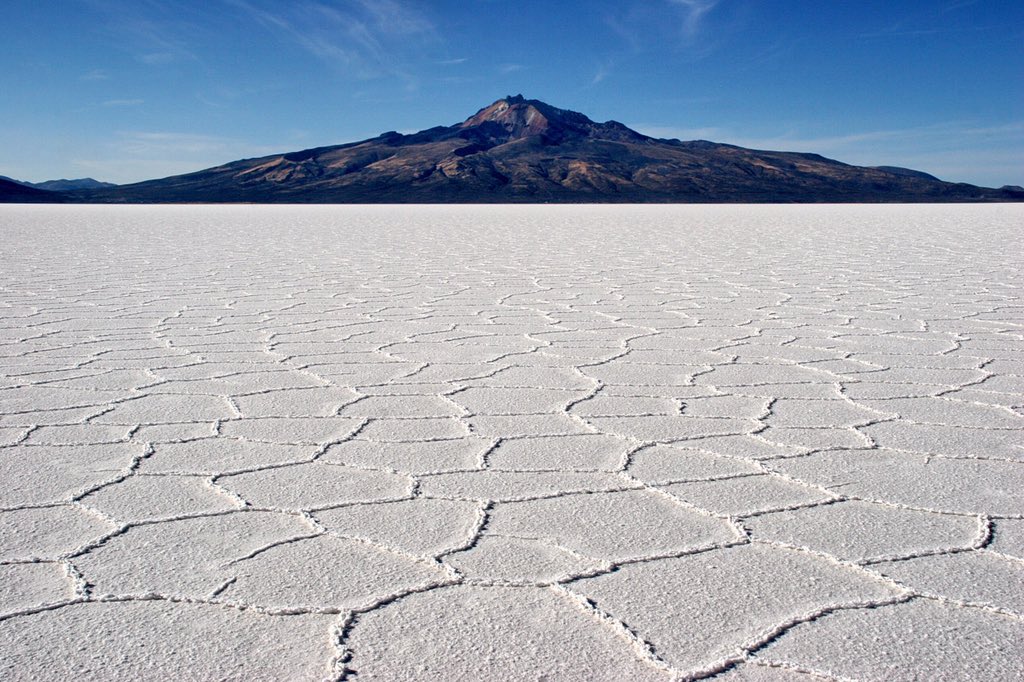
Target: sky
128,90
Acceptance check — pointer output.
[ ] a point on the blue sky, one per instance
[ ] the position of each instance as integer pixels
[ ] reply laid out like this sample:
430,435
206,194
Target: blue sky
126,90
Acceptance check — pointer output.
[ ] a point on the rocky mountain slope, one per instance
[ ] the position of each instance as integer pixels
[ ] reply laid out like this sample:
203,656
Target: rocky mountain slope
523,150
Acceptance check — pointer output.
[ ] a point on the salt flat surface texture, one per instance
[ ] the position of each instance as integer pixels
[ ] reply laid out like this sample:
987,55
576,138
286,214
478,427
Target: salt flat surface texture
476,443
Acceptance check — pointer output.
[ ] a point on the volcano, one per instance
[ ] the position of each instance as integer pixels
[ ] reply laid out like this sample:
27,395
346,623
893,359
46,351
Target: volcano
520,150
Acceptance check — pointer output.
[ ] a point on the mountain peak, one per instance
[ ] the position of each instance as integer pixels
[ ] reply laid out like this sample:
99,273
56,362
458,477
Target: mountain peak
521,117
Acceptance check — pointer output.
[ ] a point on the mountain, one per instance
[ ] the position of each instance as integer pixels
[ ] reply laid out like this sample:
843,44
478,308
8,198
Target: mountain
12,192
523,150
906,172
63,184
66,185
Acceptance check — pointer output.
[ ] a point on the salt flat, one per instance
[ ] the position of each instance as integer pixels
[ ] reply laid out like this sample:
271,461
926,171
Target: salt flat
475,443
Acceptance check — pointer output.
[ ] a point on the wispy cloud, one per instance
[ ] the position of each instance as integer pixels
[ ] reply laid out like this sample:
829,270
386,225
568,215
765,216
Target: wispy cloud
137,155
363,38
459,80
602,72
694,12
149,142
509,68
901,30
681,24
94,75
931,21
157,58
452,62
625,29
123,102
958,4
1015,128
155,33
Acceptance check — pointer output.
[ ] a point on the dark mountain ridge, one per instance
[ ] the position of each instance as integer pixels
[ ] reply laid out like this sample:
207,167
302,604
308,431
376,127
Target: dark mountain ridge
15,192
77,183
520,150
63,184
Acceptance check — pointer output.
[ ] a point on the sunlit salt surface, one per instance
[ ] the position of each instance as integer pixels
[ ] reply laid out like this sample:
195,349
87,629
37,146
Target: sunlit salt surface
455,443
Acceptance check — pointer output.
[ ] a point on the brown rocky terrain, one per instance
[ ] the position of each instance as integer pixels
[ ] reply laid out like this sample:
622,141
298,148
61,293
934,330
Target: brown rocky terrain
523,150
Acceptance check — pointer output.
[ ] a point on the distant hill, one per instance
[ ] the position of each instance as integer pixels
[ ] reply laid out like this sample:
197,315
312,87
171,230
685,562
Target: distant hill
62,185
15,193
522,150
66,185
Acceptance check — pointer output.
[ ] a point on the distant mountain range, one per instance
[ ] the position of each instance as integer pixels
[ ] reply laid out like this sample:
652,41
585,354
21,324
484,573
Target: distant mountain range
62,185
521,150
15,192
